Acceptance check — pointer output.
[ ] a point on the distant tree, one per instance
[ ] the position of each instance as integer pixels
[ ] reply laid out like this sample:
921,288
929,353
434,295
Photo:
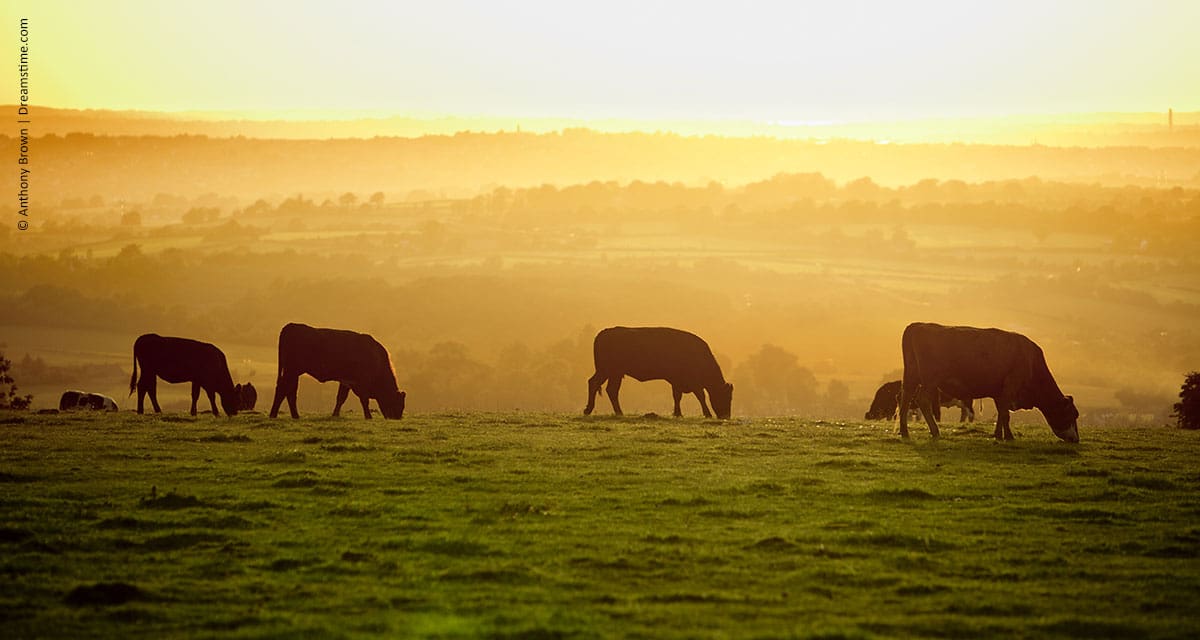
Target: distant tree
298,204
259,208
8,388
901,240
1187,411
837,394
863,189
775,383
1136,401
131,219
200,215
347,199
377,199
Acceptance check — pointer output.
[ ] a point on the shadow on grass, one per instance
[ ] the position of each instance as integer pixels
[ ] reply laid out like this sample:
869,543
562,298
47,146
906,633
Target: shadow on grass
104,594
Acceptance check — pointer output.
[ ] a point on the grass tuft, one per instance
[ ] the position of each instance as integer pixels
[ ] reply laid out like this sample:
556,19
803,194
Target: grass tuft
221,437
169,501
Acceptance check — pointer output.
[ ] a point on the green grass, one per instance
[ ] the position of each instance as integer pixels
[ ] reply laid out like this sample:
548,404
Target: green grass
553,526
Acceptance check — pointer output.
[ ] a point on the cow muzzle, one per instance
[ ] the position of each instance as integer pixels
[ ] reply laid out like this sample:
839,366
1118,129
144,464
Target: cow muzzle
1070,434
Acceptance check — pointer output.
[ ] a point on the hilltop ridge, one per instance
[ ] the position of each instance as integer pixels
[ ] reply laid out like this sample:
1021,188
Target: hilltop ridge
1086,130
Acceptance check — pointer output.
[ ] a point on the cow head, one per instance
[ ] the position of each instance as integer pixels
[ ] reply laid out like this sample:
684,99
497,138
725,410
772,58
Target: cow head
1063,418
879,413
392,405
722,400
230,402
247,396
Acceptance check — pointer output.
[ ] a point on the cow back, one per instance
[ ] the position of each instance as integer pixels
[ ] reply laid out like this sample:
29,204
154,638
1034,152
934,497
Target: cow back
354,358
971,362
657,353
184,360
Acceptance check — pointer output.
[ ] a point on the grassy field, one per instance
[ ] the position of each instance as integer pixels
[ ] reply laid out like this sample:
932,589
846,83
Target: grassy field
556,526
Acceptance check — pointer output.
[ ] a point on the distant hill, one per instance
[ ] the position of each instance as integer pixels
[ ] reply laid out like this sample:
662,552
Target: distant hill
137,168
1087,130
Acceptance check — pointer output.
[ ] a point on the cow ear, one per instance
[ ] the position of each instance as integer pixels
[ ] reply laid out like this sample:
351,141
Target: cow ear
403,395
729,385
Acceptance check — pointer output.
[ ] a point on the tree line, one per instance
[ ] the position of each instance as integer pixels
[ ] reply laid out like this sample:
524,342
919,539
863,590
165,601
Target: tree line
79,165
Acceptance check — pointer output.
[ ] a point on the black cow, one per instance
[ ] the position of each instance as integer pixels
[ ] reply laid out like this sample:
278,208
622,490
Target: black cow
356,360
887,399
982,363
72,400
247,396
182,360
658,353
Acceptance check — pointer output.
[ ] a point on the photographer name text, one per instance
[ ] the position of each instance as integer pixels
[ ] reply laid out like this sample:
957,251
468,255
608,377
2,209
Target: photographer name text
23,158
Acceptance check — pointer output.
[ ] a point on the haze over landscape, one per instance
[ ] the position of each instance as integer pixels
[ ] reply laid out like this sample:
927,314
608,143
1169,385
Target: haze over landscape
483,187
750,176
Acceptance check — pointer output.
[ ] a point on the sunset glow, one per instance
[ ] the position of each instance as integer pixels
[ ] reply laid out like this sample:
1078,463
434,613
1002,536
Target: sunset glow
605,318
765,61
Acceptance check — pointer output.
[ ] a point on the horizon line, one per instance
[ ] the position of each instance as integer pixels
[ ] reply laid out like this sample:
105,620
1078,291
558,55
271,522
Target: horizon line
318,115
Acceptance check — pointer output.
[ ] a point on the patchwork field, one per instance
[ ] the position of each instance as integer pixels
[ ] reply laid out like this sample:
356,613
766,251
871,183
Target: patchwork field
555,526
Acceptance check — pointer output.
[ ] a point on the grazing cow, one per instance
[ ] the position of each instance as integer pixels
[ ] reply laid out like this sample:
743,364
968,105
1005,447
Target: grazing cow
887,399
247,396
658,353
355,360
72,400
982,363
182,360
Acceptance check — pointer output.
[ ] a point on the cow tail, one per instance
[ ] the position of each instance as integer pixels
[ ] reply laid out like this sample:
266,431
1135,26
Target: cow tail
910,380
133,378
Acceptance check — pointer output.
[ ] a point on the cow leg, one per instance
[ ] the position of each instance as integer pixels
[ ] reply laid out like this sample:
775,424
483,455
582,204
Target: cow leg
195,396
677,393
366,405
342,394
1008,434
594,384
152,391
614,388
1004,404
703,404
212,401
285,387
291,398
1002,431
146,387
277,400
929,409
907,391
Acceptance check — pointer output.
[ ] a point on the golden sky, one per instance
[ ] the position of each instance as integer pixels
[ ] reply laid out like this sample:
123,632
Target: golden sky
774,61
